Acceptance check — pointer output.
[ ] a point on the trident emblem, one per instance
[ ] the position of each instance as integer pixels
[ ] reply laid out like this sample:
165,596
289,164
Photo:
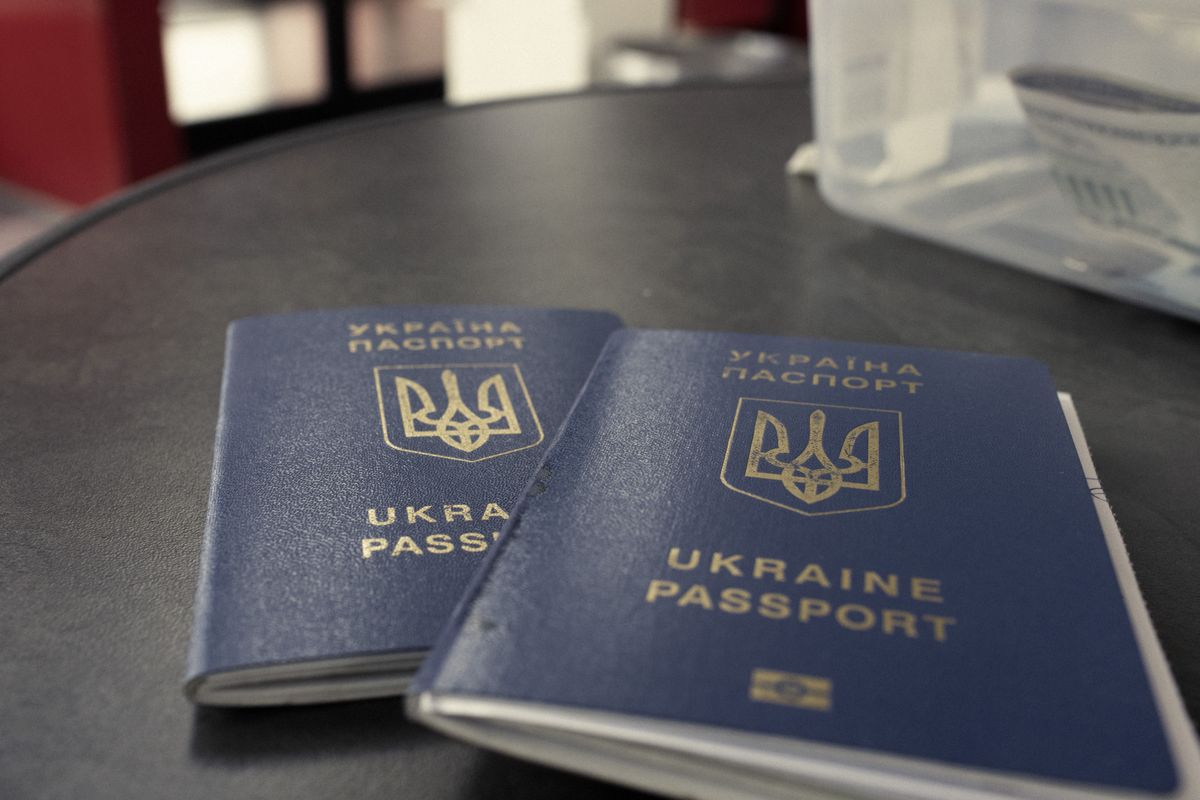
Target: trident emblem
466,412
860,468
458,426
823,479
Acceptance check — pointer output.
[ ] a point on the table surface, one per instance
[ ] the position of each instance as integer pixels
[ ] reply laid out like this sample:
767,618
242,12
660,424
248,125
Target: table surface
669,207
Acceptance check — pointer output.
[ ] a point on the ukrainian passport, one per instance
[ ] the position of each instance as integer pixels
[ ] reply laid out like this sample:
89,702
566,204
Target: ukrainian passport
365,462
769,567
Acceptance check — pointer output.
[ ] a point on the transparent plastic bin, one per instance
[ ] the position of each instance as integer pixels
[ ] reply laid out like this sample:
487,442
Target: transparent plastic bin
920,127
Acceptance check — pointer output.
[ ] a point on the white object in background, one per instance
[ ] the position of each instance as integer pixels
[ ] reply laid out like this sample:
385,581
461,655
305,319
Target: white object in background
227,60
902,67
804,161
994,193
1126,155
496,49
934,71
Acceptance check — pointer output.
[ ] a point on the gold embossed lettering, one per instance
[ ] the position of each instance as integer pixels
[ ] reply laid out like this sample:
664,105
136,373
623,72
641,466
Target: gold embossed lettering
727,563
456,511
674,562
439,543
373,516
893,619
854,617
939,625
774,606
812,573
696,595
770,566
811,608
734,601
494,511
927,589
889,585
421,514
473,542
405,544
660,588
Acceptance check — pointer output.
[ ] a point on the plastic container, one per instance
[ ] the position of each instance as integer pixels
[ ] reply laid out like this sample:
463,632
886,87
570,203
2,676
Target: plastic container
1059,136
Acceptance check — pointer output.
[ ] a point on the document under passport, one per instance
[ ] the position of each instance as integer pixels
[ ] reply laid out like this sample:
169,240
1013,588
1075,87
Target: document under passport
768,567
365,462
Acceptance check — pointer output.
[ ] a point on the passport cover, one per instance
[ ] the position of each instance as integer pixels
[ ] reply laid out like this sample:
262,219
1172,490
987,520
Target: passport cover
365,461
880,557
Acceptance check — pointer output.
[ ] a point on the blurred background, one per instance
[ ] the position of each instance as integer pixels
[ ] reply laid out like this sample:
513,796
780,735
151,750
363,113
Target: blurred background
97,94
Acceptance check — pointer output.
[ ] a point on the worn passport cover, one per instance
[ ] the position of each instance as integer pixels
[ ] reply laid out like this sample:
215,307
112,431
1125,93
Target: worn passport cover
365,461
866,569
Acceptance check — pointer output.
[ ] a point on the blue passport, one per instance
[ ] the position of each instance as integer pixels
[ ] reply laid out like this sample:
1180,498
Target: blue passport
770,567
365,463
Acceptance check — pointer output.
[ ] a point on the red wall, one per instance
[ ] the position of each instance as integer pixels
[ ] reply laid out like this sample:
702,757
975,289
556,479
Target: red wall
83,106
747,14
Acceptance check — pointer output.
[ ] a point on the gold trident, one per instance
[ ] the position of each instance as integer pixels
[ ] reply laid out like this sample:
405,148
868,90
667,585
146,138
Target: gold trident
458,426
812,484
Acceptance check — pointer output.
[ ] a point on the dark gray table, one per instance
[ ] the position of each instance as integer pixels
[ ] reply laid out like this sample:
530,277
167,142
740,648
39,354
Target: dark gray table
670,208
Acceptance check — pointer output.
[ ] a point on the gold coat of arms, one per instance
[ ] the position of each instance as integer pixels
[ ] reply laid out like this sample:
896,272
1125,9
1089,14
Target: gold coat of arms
815,458
463,412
